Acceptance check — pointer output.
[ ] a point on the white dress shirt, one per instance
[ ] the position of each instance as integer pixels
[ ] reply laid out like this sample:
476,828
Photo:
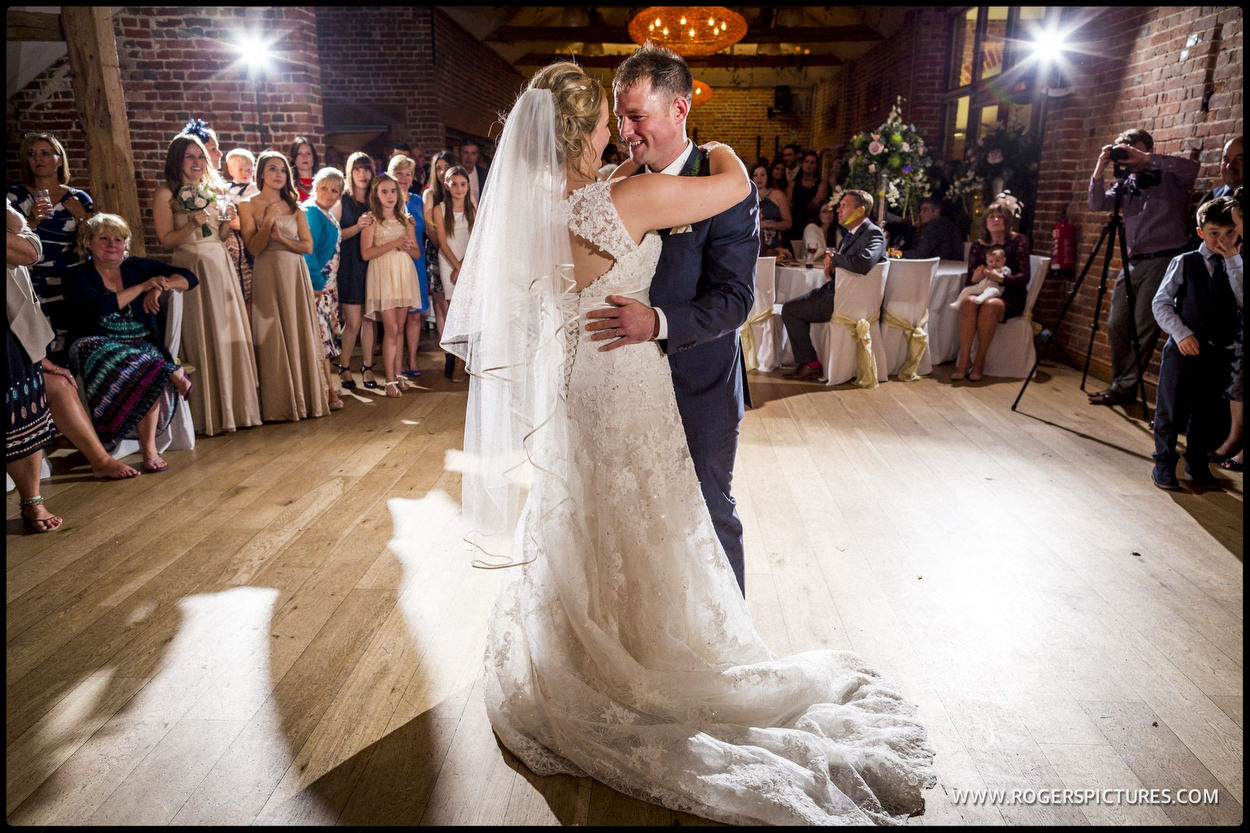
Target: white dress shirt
673,169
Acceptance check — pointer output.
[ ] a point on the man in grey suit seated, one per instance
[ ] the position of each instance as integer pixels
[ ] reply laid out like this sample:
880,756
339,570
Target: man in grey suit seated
863,247
939,236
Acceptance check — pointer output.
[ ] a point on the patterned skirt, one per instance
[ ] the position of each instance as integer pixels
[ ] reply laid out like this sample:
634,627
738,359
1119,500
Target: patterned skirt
431,267
241,260
124,375
328,319
29,426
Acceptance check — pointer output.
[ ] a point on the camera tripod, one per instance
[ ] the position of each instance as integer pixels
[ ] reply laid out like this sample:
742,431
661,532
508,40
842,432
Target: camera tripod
1112,231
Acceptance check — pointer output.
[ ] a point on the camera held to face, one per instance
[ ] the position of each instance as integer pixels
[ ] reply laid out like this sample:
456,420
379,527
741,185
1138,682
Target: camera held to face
1146,178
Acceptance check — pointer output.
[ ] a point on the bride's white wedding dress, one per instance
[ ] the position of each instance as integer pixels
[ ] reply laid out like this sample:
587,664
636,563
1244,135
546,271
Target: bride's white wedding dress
624,650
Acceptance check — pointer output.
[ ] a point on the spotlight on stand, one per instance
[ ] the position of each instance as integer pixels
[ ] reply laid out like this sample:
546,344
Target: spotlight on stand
1049,44
254,53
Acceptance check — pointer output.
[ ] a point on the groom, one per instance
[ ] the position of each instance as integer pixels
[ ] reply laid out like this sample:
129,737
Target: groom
703,287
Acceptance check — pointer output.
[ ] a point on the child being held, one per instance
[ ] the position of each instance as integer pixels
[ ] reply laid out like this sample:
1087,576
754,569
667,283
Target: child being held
990,286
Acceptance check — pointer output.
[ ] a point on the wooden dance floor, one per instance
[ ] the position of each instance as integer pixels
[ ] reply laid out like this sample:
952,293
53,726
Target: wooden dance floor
239,640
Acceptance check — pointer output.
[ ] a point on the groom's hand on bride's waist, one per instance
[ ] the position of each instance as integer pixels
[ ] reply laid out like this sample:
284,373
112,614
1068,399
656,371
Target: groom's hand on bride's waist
629,322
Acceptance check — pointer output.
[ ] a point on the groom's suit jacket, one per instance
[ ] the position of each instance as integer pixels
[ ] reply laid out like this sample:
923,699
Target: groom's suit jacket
705,284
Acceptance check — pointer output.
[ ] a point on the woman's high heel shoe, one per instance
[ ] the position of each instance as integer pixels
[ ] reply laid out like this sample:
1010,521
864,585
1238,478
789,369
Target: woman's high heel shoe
369,382
349,383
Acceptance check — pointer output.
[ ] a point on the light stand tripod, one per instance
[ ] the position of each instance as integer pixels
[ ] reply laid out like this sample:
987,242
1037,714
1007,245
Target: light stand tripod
1111,230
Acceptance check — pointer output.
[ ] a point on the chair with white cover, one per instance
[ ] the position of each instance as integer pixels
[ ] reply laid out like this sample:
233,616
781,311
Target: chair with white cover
849,344
905,318
758,333
1011,354
179,435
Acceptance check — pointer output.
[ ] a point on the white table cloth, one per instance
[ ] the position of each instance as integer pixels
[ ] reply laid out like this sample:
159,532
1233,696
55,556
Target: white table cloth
944,321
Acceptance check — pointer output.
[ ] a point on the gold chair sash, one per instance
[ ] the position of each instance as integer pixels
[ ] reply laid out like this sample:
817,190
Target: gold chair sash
917,342
865,360
748,338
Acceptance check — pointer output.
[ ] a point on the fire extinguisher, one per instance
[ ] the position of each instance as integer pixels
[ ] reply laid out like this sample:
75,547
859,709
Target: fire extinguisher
1063,245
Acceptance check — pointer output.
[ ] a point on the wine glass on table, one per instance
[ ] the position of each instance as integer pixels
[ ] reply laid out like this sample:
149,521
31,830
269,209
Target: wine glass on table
811,255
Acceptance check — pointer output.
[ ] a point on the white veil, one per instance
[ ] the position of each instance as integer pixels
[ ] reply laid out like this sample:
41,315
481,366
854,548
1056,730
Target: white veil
506,322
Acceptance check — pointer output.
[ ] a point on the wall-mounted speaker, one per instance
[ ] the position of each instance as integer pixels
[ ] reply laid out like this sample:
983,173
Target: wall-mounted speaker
781,99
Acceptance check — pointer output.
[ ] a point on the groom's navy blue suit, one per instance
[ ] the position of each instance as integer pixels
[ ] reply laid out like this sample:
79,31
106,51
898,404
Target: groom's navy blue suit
705,285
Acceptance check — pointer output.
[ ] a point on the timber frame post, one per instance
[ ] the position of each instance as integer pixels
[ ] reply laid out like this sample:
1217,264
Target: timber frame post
97,81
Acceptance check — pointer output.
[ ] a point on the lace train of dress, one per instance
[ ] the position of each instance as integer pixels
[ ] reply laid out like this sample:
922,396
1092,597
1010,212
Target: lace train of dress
625,651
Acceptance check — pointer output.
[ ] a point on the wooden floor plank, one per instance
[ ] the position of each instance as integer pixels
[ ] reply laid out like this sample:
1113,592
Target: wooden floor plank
284,627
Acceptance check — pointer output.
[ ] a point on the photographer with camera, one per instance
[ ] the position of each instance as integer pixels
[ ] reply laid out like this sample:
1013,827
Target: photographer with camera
1154,192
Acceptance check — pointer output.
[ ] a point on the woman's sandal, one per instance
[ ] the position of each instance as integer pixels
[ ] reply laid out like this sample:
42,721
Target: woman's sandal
155,465
350,382
370,383
395,384
38,525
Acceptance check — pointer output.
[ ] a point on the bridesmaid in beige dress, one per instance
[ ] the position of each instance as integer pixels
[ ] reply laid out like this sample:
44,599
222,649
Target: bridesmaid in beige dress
216,339
284,313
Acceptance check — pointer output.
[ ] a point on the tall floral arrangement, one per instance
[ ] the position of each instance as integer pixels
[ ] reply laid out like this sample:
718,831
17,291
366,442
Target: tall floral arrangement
890,161
1004,159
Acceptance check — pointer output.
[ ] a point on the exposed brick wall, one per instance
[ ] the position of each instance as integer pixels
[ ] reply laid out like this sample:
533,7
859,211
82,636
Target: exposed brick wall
413,69
739,118
1145,73
428,76
176,63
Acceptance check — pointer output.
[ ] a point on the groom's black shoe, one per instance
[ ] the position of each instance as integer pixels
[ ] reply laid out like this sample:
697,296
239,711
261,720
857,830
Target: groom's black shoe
804,372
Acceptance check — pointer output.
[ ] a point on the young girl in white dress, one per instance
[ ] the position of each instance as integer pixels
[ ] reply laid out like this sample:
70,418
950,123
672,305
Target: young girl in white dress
459,214
391,284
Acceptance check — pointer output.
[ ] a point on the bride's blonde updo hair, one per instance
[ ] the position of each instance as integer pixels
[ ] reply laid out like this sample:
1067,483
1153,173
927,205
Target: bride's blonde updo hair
579,100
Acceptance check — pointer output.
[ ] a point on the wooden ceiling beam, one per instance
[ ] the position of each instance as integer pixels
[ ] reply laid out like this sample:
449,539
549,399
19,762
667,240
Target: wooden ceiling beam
32,26
719,61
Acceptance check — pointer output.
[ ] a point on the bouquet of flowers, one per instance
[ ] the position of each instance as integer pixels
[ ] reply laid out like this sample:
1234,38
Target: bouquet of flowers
891,159
193,198
1006,158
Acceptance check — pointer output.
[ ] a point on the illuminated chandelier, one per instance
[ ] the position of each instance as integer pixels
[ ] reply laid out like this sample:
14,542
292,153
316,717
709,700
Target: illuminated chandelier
702,92
688,30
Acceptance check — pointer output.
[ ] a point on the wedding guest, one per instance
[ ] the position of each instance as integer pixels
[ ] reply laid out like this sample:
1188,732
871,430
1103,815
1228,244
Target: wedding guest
939,236
323,267
239,165
304,162
980,321
1231,454
216,338
117,343
454,227
432,198
391,287
354,217
55,220
289,354
470,154
774,211
402,169
1197,306
808,191
815,235
862,248
28,427
199,128
790,156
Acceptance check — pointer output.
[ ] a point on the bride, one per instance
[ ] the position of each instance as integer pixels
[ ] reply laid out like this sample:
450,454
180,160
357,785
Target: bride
621,648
